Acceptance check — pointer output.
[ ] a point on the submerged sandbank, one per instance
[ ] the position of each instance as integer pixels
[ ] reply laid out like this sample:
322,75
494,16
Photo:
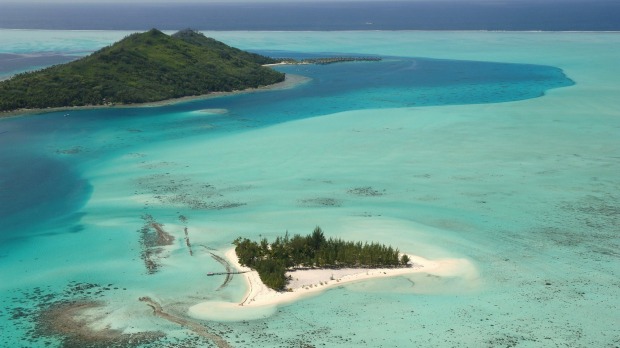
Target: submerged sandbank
290,81
260,301
72,323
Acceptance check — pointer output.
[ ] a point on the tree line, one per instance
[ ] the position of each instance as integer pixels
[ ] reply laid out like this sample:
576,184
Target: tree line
272,260
328,60
143,67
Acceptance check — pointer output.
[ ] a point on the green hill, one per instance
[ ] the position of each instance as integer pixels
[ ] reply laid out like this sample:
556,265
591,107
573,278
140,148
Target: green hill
143,67
223,49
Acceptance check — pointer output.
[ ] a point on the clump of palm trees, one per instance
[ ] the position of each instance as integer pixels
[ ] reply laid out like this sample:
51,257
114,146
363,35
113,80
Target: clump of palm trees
272,260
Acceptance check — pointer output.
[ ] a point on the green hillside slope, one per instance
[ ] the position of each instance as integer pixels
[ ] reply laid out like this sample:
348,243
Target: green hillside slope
143,67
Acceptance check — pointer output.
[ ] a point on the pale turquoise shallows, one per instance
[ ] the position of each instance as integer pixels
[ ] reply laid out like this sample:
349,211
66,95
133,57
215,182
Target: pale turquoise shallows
527,190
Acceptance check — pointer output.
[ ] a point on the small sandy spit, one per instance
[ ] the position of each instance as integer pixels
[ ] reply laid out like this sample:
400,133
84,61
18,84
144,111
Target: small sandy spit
260,301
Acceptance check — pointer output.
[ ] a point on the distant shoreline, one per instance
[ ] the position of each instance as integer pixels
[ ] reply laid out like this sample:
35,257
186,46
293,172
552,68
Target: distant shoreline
290,81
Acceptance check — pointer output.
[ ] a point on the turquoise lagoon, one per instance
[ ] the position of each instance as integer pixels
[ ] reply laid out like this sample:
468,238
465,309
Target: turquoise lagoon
499,148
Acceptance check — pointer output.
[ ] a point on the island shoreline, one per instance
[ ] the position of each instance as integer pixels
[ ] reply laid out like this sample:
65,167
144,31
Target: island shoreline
260,301
290,81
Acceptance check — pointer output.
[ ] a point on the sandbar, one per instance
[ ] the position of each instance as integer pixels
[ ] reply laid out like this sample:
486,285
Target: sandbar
260,301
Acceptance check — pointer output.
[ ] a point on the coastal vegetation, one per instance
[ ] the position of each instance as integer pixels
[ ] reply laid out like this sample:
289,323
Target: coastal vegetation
328,60
273,260
143,67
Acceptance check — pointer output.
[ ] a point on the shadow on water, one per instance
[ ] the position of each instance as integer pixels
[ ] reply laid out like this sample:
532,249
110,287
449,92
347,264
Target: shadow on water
36,190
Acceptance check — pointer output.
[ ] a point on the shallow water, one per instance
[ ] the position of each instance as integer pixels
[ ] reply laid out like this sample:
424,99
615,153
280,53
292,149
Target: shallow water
523,187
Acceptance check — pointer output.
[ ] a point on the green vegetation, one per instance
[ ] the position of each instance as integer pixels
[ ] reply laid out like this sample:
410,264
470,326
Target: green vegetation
143,67
328,60
224,50
272,260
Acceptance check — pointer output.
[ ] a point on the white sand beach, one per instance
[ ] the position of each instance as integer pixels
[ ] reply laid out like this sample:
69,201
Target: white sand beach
261,301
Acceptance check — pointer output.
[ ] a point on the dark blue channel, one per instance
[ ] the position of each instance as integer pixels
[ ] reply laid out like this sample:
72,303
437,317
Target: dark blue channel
40,155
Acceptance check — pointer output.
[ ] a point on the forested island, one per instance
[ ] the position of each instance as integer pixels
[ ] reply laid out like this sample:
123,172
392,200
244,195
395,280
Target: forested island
273,260
143,67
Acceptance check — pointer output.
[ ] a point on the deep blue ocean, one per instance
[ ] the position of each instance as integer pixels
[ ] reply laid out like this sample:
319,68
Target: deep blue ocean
554,15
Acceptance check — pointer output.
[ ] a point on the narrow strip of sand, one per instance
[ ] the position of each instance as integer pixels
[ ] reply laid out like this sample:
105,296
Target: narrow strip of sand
311,281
